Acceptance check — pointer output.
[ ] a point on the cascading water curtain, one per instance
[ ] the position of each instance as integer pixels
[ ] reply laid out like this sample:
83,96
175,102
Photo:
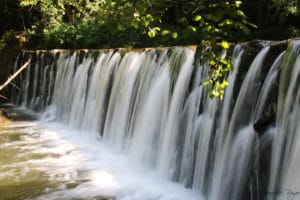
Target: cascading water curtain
152,106
284,172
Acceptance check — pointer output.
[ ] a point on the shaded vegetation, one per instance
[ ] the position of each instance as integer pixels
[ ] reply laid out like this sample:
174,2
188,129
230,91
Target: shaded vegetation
119,23
138,23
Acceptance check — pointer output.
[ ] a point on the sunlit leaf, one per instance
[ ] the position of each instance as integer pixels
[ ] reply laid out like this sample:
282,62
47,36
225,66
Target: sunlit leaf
212,62
241,13
156,28
151,33
224,84
149,17
225,44
174,35
251,24
28,2
194,29
165,32
205,83
113,3
244,28
228,22
292,9
238,3
197,18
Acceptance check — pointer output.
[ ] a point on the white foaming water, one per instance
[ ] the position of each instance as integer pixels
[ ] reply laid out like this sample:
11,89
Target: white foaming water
96,169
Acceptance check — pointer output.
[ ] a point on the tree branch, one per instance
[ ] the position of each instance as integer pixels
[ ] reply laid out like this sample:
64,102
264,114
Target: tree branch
14,75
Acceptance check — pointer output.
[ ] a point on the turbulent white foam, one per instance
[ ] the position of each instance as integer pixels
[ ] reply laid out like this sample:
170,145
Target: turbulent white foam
98,170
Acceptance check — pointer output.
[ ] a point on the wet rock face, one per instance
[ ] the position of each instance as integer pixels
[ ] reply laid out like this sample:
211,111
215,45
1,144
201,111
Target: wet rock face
10,112
263,124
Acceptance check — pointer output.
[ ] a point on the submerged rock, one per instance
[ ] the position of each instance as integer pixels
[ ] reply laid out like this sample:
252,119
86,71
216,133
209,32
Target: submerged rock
9,112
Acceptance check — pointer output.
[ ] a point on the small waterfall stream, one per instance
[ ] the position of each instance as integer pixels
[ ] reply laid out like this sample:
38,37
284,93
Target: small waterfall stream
151,107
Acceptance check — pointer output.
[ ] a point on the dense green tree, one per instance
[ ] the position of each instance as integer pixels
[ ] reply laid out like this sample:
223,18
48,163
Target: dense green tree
98,23
275,19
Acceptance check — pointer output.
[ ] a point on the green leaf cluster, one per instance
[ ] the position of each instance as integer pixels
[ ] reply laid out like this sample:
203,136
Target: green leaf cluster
222,21
98,23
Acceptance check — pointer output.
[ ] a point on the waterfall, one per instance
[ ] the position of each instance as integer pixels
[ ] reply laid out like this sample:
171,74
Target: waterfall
286,138
151,105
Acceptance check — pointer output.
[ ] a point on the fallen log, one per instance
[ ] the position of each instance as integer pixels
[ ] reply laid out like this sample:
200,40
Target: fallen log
12,77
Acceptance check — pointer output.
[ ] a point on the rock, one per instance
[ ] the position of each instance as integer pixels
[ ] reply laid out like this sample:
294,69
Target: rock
263,124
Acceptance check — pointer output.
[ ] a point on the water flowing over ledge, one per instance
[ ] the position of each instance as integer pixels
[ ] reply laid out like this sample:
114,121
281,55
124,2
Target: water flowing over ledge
151,106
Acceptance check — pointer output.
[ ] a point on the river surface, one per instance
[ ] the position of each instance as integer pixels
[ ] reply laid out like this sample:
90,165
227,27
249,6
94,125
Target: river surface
41,160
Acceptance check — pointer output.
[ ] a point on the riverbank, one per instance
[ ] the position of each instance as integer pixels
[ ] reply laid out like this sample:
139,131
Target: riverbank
3,119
